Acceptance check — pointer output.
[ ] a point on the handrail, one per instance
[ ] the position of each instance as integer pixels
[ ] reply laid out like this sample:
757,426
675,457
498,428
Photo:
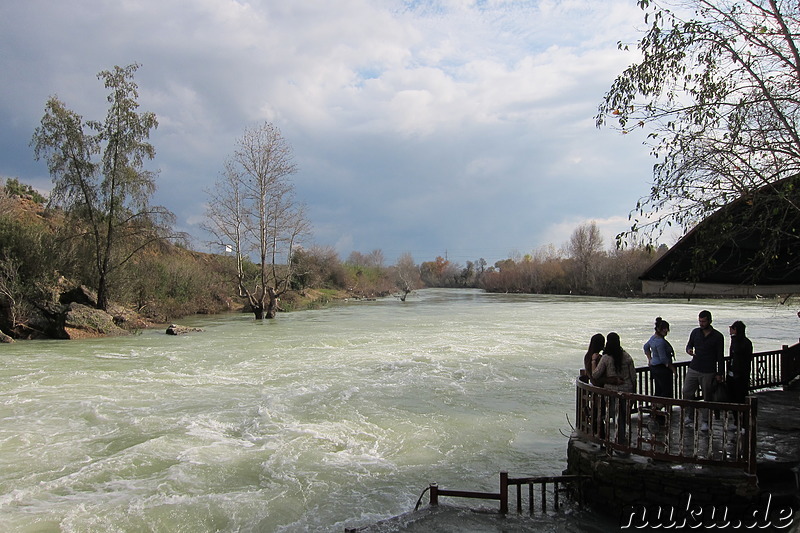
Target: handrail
706,440
772,368
506,482
543,481
653,427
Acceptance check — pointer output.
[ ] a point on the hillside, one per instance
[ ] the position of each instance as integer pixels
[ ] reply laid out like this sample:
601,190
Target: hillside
46,270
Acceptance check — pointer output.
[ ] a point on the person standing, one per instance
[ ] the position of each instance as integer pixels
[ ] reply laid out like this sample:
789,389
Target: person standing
598,406
596,345
707,347
741,352
618,372
660,354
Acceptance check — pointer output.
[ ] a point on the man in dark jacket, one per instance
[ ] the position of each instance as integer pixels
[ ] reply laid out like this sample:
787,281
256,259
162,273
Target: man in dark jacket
707,347
741,352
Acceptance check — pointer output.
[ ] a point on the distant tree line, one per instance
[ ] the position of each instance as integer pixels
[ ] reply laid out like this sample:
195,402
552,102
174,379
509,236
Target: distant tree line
581,266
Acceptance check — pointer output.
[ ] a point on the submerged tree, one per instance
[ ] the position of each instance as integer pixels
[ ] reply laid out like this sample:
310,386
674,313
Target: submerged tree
252,210
406,275
99,176
718,88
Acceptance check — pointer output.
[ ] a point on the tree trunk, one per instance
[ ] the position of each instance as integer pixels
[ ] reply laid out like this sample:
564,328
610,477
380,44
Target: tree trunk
258,311
272,307
102,293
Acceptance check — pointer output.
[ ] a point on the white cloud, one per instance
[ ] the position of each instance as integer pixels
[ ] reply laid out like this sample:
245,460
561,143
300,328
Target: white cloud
430,124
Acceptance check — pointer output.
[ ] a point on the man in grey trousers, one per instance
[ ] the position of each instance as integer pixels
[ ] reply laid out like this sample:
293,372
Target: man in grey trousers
707,347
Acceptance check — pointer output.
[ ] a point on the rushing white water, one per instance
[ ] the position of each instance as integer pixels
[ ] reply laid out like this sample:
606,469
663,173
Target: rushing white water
319,420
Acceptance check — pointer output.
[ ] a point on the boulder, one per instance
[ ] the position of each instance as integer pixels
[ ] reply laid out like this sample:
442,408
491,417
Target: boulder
82,321
175,329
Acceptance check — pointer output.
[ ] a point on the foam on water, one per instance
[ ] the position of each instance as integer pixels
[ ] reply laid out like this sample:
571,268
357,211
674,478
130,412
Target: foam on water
318,420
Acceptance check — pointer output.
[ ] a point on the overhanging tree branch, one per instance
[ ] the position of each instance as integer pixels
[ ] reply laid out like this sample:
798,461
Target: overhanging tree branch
718,88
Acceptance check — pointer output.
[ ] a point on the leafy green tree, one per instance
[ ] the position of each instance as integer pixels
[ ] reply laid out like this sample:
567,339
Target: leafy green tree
718,91
99,176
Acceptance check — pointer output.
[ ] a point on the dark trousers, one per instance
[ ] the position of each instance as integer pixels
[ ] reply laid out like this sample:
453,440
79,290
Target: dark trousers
737,388
662,377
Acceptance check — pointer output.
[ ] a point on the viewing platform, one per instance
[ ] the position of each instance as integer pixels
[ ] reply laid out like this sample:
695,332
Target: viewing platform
645,454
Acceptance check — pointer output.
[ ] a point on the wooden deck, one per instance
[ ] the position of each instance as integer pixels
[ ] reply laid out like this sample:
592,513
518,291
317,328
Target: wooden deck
778,430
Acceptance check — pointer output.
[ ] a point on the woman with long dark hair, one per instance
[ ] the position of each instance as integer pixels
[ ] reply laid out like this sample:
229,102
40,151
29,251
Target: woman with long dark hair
617,370
596,345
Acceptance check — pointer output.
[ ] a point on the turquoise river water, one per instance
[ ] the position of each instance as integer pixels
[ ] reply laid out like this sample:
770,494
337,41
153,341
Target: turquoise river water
319,420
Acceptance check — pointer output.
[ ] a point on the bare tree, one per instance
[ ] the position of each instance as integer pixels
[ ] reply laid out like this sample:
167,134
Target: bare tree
253,212
407,276
375,258
585,245
13,304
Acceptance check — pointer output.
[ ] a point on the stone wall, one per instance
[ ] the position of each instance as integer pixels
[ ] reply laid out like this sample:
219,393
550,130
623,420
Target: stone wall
622,486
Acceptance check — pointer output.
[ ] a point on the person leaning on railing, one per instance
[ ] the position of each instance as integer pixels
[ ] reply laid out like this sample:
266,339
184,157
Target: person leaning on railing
660,354
616,365
596,345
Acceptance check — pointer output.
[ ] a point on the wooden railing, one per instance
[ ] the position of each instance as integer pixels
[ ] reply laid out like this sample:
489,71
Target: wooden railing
720,434
769,369
556,484
643,424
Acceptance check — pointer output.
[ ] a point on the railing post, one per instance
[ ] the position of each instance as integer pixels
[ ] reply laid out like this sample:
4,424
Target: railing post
503,492
530,497
784,377
434,489
752,422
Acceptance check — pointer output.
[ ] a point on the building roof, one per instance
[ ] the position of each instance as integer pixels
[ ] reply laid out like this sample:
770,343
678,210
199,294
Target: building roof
753,241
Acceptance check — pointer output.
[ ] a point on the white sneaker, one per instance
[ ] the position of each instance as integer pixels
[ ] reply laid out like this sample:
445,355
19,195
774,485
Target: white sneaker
703,427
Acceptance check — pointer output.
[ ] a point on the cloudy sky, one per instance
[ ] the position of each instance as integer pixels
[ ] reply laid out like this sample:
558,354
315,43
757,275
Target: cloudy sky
458,127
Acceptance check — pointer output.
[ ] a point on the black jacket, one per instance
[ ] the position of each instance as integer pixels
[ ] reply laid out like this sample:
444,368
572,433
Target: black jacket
741,356
709,351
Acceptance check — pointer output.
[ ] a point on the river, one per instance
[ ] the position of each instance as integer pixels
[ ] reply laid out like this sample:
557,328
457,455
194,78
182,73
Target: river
319,420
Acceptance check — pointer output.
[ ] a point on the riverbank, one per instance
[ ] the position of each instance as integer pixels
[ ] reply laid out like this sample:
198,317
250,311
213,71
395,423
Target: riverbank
72,314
